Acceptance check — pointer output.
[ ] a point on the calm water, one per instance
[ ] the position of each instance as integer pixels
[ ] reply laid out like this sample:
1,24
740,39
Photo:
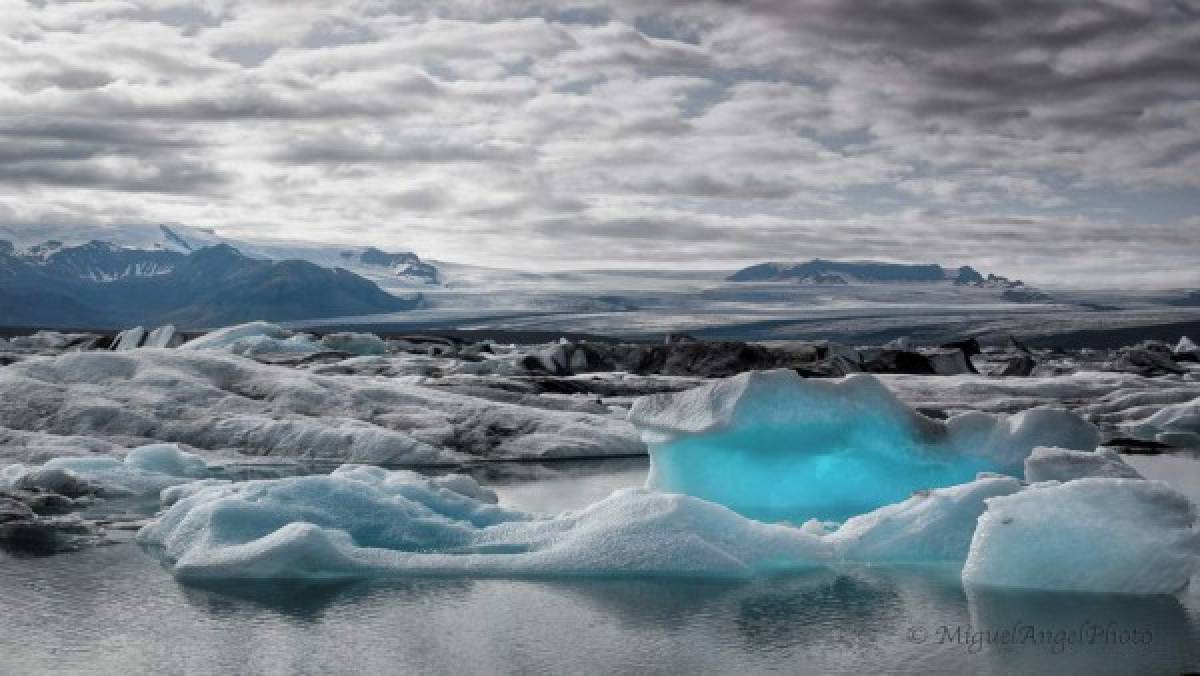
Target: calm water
114,610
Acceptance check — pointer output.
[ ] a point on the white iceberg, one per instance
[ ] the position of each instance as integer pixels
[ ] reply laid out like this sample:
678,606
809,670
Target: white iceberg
1092,535
1174,425
255,338
129,339
367,522
362,344
931,526
145,471
163,337
1089,535
1060,464
773,445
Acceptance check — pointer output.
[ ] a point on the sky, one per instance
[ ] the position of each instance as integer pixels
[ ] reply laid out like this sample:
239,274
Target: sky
1058,141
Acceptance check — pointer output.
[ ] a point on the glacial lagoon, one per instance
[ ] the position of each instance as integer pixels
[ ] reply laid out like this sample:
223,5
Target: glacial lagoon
115,609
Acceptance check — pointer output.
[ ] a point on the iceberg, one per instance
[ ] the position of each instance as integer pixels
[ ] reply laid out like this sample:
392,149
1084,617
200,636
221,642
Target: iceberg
255,338
1174,425
368,522
129,339
1060,464
146,470
362,344
931,526
774,446
1089,535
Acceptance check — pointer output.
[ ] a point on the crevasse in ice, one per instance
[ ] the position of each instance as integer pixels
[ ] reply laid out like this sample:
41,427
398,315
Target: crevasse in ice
775,446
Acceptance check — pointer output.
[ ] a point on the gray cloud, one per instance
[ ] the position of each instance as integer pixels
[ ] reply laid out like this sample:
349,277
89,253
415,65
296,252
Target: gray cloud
526,133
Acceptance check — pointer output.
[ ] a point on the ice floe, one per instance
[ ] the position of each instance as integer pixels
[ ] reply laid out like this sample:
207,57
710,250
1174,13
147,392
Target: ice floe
1089,535
220,403
361,522
773,445
144,471
254,338
1061,464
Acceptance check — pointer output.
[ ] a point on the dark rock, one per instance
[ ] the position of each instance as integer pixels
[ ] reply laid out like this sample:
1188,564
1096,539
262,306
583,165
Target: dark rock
1021,365
1019,345
900,361
703,359
970,346
12,509
55,480
1146,360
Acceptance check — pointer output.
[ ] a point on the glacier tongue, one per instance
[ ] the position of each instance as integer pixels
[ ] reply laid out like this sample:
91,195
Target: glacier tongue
774,446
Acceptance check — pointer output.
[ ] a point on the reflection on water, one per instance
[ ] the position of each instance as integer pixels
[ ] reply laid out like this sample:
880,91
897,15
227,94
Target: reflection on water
111,610
114,610
1079,633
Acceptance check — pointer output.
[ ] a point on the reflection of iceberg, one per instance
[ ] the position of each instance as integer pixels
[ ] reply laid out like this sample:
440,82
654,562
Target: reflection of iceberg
1025,632
774,445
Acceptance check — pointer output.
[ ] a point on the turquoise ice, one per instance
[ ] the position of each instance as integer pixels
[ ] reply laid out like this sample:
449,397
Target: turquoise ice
774,446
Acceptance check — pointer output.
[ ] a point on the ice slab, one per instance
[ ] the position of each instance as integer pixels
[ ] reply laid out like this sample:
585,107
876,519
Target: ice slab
1174,425
254,338
773,445
931,526
365,522
1060,464
211,400
145,471
1089,535
355,343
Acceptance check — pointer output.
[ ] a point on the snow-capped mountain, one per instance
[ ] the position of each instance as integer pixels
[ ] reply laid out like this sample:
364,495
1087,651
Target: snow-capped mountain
100,284
99,261
825,272
392,270
403,265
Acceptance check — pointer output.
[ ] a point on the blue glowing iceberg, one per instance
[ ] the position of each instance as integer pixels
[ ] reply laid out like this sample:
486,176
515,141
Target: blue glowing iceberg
775,446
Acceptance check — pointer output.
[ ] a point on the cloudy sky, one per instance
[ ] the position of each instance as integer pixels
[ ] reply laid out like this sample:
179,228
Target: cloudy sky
1054,140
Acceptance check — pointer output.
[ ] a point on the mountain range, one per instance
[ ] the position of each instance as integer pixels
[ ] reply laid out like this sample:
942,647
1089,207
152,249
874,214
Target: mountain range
100,284
819,271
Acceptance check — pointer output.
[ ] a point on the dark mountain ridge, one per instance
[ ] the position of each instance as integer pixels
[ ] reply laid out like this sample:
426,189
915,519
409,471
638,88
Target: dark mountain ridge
102,285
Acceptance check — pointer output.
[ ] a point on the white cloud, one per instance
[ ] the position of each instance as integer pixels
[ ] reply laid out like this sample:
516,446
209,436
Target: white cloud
585,133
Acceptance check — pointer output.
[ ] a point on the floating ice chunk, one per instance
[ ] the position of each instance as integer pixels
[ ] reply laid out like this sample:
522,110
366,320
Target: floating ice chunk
163,336
145,470
255,338
1174,425
355,343
129,339
166,459
1060,464
1089,535
931,526
772,445
1008,440
52,479
362,522
1186,346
